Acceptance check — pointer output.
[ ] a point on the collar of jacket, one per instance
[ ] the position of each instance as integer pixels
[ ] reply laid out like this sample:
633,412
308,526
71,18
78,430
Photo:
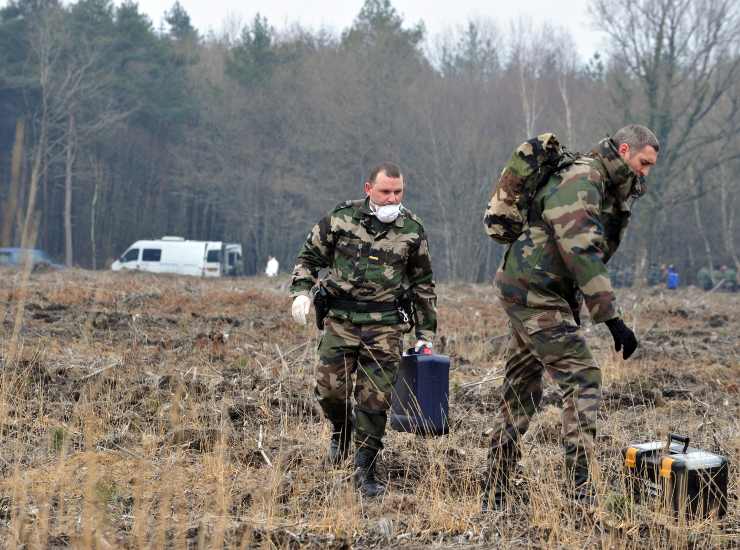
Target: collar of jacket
620,175
616,169
365,211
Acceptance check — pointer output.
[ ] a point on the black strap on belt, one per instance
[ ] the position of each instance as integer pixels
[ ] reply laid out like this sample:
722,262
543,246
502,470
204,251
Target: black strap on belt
360,306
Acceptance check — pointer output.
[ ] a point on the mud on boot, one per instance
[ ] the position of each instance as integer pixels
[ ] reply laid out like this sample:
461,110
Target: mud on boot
364,475
341,416
341,440
497,479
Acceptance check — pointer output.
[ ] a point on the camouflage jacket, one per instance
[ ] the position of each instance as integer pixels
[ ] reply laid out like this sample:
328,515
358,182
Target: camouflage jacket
576,223
368,260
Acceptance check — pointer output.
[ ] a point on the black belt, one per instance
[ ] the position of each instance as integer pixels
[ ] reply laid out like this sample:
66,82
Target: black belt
361,307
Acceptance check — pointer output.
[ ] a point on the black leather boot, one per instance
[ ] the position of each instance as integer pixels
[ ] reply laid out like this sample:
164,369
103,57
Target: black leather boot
341,439
496,482
364,476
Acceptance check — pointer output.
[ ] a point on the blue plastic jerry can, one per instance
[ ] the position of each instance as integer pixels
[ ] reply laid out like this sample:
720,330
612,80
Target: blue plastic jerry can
420,401
672,280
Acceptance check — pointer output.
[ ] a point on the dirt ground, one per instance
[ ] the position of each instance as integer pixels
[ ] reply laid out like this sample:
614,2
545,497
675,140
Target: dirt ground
160,411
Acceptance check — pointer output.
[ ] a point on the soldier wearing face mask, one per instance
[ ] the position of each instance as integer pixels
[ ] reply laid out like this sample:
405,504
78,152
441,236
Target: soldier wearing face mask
576,222
377,257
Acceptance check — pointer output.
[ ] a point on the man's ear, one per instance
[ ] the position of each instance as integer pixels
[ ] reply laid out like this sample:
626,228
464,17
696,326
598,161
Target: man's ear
368,186
623,149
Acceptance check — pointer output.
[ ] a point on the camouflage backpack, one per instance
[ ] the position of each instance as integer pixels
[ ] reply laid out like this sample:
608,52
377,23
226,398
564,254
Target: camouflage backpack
529,167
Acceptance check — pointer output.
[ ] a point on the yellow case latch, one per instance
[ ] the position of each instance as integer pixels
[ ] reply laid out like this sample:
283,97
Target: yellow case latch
630,457
666,466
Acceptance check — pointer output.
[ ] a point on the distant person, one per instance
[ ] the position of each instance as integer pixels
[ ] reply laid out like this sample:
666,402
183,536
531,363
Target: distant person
653,275
663,273
272,267
672,279
729,278
704,279
377,254
621,277
575,226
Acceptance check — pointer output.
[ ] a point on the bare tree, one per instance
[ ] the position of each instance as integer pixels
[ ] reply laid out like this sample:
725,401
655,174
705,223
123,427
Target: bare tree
10,212
98,183
45,57
728,213
527,58
675,65
462,137
700,225
566,71
70,154
79,98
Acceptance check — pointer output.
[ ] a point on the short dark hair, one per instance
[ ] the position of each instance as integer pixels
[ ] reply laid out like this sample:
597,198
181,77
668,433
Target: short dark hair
391,170
637,137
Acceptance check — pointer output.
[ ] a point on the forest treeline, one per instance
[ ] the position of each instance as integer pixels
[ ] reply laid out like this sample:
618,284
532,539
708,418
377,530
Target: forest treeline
112,129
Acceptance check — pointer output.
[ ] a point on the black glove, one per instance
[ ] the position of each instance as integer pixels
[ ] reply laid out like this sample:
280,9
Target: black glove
624,338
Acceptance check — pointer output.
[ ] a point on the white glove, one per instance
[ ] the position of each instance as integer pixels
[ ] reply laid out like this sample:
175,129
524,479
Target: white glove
423,346
300,308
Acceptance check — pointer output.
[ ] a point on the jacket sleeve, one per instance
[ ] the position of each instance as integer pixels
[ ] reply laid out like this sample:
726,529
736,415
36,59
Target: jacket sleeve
573,214
615,225
421,281
315,254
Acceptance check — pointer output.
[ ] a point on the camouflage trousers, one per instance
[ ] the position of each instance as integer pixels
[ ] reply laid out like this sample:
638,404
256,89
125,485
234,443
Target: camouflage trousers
548,340
373,352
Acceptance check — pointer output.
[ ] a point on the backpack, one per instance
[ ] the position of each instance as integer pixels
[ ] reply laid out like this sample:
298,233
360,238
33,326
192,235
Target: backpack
529,168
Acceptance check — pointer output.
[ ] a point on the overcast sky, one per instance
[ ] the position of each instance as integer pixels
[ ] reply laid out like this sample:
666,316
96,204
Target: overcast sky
438,15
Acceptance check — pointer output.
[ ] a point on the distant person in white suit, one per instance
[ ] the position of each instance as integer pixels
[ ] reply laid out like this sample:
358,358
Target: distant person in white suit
272,267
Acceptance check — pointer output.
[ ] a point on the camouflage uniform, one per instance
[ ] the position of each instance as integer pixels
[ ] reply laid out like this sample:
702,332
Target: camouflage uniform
729,279
705,278
654,275
576,223
368,261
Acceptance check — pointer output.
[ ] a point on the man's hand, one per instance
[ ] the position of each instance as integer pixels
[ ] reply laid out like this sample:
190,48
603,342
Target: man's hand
624,338
424,347
300,308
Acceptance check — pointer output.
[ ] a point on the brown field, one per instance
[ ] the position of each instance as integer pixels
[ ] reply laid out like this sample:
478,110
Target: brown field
142,411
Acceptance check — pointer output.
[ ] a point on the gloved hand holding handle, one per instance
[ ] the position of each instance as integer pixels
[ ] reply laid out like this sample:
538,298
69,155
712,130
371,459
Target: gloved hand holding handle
624,338
423,347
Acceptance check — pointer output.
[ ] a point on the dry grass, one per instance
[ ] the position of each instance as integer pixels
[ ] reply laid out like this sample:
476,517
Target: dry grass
143,411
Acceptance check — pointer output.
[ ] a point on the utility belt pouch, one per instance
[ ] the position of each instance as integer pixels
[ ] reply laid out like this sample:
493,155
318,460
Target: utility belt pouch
320,304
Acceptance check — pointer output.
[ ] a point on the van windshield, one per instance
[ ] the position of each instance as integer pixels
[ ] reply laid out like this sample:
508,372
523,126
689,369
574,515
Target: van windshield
214,256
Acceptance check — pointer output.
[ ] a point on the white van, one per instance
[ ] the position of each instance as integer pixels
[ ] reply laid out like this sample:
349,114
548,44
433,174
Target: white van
177,255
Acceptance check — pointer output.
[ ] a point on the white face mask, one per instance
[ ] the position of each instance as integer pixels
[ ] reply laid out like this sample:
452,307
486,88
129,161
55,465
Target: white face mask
387,213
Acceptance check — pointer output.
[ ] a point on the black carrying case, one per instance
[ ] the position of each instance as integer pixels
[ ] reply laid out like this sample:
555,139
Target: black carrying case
685,480
420,398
